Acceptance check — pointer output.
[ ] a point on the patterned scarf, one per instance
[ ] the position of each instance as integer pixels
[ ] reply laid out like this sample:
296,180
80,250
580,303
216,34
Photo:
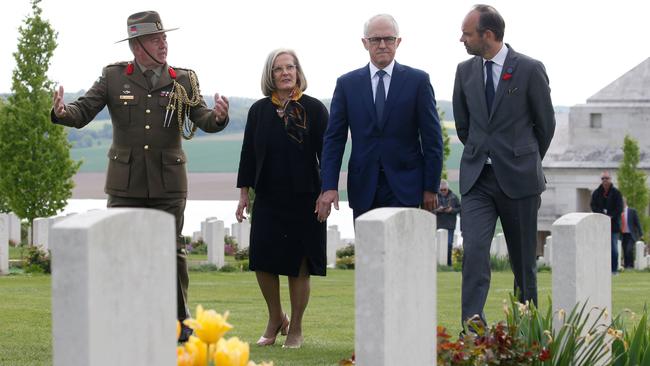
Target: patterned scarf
293,114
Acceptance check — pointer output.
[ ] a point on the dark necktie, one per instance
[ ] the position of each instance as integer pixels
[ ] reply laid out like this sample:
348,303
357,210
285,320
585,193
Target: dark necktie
148,78
380,96
489,85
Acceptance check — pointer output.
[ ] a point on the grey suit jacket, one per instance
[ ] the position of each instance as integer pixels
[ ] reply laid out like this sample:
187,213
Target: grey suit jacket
515,135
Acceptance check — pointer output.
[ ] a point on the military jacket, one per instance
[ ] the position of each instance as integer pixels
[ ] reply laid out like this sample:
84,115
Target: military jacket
146,158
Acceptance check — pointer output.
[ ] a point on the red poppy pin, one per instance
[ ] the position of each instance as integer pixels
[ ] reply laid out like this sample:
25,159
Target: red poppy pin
508,74
129,68
172,73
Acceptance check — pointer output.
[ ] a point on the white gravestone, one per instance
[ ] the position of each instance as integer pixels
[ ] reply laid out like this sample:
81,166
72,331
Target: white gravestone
548,251
214,241
333,244
442,235
203,226
41,232
196,236
640,260
4,244
502,248
395,287
242,233
14,228
114,290
582,263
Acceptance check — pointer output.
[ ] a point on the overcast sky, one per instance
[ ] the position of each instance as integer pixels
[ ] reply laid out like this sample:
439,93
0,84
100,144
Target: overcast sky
585,45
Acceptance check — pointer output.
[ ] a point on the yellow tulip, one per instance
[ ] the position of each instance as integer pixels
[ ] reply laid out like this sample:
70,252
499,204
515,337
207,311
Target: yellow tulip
208,325
232,352
199,350
178,329
183,358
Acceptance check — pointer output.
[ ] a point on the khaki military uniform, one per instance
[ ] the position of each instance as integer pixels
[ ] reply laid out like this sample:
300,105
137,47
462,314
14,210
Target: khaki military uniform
146,162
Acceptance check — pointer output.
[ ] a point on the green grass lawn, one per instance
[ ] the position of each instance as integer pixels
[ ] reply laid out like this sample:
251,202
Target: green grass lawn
25,317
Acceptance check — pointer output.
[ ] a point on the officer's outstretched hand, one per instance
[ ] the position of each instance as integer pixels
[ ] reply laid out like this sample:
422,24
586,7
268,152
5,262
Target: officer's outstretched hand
220,108
57,103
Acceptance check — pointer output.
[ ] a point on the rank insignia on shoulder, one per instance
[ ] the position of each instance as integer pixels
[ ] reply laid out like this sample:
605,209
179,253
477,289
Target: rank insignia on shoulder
127,97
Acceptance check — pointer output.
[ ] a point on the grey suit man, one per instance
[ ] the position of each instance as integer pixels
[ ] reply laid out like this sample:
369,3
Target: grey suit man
504,117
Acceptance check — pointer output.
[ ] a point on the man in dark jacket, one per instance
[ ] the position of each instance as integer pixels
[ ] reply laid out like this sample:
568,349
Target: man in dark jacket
631,231
448,208
608,200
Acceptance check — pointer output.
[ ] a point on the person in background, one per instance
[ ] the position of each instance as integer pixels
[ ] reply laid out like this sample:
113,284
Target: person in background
448,209
606,199
280,159
146,162
505,119
631,231
390,112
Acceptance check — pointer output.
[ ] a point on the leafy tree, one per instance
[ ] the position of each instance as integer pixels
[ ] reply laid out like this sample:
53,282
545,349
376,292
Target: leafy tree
632,182
37,171
446,150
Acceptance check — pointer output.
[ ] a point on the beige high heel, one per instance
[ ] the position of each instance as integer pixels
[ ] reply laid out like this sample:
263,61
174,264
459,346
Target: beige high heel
282,329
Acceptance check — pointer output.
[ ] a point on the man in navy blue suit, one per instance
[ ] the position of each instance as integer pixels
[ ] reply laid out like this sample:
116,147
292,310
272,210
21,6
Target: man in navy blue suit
390,110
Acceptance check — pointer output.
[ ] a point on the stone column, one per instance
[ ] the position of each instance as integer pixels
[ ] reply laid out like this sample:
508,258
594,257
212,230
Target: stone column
41,232
582,262
395,288
214,241
548,251
333,244
502,247
640,260
4,243
114,289
241,231
441,240
14,228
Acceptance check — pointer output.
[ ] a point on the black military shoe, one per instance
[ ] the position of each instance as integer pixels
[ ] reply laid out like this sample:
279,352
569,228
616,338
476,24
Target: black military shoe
186,332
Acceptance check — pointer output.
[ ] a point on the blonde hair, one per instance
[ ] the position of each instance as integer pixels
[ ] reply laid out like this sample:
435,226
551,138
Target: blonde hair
268,84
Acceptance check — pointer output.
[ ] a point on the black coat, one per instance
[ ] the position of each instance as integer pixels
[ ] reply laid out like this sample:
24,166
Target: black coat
610,205
305,167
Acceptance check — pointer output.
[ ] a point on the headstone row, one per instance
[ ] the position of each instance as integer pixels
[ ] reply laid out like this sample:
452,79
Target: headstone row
4,243
334,243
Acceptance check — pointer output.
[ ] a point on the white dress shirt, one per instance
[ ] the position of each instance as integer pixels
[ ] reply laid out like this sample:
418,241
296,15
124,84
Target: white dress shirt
374,78
499,59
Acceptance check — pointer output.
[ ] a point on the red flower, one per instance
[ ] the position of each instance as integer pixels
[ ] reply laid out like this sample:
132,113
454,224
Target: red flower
172,73
545,354
129,68
507,76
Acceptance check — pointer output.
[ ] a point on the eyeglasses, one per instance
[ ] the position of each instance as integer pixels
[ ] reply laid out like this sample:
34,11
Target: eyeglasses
604,178
388,41
282,69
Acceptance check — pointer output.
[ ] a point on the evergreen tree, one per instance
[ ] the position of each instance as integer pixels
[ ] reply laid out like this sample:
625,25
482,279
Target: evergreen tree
36,167
632,182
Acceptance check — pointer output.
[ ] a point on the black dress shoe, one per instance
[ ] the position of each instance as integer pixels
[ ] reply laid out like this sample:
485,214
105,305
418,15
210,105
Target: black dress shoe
186,332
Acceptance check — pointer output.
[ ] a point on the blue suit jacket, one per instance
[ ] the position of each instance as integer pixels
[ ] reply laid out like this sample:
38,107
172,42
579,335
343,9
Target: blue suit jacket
407,142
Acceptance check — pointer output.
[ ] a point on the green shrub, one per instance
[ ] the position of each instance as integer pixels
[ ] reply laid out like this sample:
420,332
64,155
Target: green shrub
241,254
36,260
345,262
347,251
457,259
197,247
228,268
499,263
527,337
204,267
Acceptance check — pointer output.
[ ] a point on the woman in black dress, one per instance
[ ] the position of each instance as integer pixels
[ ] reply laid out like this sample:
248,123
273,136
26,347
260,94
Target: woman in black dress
280,160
